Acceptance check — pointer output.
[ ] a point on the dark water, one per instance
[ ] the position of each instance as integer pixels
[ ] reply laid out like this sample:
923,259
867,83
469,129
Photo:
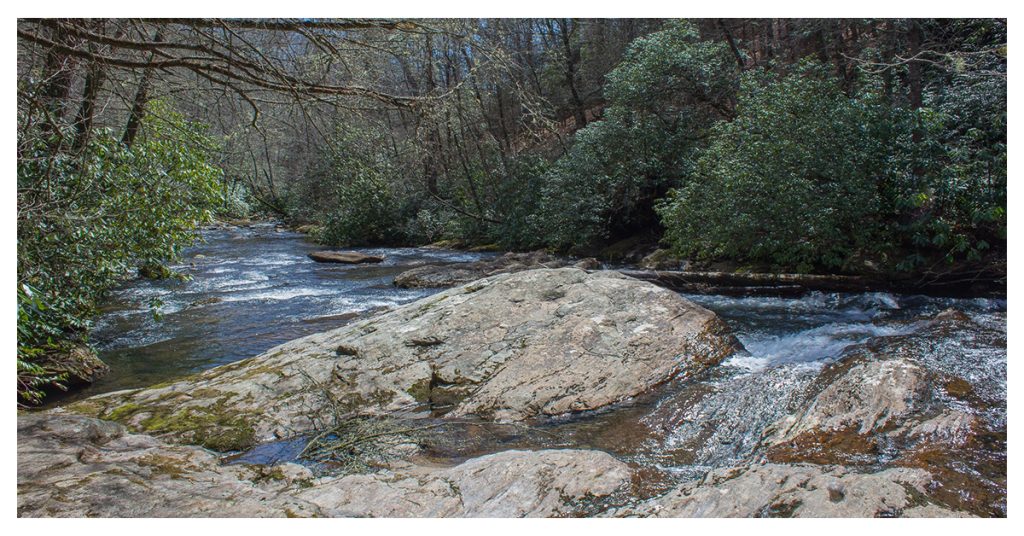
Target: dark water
254,288
250,290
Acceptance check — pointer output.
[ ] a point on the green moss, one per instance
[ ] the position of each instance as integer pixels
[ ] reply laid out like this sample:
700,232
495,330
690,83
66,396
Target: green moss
263,473
123,412
420,391
162,385
208,393
215,426
163,465
211,427
87,407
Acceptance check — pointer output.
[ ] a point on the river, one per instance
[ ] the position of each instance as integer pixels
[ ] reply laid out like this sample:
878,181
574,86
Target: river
250,289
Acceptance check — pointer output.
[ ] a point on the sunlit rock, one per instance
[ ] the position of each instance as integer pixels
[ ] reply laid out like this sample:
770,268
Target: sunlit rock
73,466
505,348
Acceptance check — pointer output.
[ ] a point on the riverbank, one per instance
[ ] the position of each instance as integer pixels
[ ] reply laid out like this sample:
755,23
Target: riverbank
661,441
665,422
642,257
262,264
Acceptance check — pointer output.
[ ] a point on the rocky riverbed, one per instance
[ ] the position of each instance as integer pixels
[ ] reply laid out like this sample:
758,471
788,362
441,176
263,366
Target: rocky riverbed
558,392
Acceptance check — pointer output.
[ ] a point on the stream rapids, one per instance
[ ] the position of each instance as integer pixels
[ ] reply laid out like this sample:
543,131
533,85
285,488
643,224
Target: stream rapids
250,289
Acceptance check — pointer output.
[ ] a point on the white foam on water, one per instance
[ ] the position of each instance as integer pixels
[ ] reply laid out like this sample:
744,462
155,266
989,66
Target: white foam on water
278,294
277,259
821,343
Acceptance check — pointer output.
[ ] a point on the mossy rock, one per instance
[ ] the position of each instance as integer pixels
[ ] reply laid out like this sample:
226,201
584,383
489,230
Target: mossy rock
661,259
447,244
214,426
420,391
155,271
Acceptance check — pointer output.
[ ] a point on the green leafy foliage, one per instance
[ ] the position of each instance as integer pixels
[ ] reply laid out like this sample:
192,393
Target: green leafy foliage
809,178
87,219
955,208
794,180
352,191
664,96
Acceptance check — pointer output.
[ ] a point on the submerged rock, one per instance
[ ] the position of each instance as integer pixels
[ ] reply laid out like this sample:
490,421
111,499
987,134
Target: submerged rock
797,491
904,401
505,348
73,466
345,257
437,276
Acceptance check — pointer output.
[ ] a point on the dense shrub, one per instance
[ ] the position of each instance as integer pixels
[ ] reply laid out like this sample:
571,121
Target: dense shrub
663,97
806,177
794,180
87,219
955,206
352,191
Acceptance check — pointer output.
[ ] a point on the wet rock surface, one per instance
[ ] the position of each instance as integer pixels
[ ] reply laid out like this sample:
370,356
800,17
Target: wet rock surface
505,348
891,428
904,401
643,405
73,466
436,275
345,257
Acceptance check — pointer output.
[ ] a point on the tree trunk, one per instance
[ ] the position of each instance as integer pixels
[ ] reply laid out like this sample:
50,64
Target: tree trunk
732,44
579,112
138,111
87,111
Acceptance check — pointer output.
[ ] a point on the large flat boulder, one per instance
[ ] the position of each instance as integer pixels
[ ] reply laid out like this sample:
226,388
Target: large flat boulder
74,466
506,348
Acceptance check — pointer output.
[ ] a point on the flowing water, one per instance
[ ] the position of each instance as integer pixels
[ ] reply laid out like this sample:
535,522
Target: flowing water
254,288
250,289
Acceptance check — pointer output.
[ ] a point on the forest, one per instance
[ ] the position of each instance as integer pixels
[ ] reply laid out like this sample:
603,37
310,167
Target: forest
512,267
821,146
